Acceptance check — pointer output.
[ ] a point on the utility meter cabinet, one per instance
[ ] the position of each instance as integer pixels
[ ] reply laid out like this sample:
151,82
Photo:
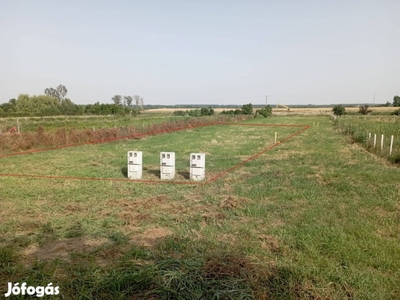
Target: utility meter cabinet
197,166
135,165
167,165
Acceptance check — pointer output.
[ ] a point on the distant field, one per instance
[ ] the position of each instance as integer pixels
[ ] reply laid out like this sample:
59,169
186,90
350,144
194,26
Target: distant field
280,111
149,116
314,218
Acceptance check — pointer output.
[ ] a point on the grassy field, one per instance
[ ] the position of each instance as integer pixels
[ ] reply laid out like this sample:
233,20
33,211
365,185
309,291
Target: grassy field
29,124
362,130
224,145
313,218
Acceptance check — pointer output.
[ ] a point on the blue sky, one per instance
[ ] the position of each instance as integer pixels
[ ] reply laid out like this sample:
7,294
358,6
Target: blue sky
203,52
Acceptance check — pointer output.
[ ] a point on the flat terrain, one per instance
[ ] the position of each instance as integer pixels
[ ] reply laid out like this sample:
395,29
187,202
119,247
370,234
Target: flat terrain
294,110
313,218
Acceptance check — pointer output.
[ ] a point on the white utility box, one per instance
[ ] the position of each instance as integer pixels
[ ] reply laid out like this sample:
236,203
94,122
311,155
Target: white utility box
167,165
197,166
135,164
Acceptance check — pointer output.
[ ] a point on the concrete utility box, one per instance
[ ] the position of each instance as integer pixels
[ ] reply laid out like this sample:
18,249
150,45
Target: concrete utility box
167,165
197,166
135,164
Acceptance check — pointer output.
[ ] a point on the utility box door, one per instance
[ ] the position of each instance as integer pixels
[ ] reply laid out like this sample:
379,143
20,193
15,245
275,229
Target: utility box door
167,165
197,166
134,165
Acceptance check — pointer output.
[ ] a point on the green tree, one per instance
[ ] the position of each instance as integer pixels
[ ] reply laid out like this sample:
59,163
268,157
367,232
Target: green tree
396,100
10,106
69,108
41,104
265,112
207,111
117,99
60,92
128,100
339,110
247,109
138,102
13,102
194,112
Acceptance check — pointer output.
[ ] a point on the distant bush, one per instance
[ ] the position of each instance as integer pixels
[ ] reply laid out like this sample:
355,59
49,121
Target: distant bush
247,109
396,112
205,111
364,110
194,112
265,112
232,112
180,113
339,110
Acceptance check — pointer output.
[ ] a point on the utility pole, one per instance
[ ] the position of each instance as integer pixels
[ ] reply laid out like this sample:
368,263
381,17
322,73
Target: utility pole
266,100
374,99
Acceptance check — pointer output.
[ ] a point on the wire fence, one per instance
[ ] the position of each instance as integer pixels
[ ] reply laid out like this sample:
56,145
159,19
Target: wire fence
378,134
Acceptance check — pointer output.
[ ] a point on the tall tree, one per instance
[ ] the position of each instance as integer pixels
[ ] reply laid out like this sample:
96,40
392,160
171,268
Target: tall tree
10,106
128,100
51,92
60,92
396,101
138,101
117,99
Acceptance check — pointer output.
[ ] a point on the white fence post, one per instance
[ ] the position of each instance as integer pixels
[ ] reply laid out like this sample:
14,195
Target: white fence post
391,145
374,140
382,142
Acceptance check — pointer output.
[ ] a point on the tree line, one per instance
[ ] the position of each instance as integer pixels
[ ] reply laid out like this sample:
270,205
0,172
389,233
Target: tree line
246,109
339,110
55,102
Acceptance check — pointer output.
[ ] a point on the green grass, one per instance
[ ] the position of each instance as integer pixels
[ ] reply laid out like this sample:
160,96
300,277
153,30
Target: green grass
29,124
362,130
314,218
224,145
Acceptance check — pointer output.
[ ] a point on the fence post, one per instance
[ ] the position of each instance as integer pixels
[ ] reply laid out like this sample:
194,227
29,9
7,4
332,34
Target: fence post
382,142
391,145
374,140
